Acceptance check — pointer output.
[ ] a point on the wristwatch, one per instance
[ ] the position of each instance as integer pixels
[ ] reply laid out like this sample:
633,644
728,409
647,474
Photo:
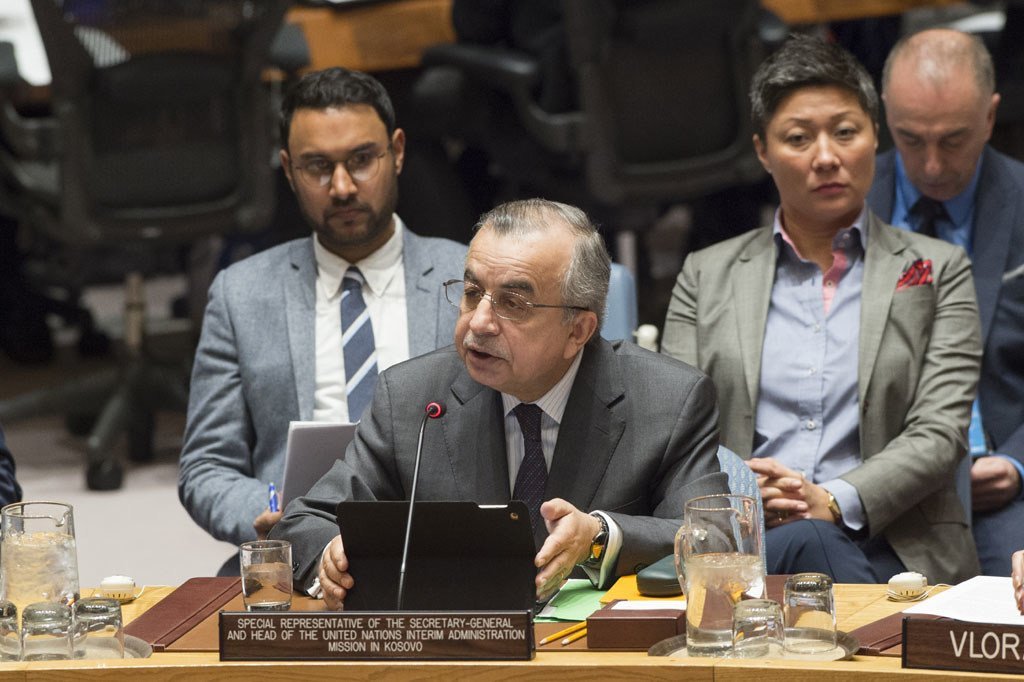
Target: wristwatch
598,544
833,507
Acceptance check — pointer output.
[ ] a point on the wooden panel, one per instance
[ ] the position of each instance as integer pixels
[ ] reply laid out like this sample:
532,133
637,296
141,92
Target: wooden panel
820,11
376,37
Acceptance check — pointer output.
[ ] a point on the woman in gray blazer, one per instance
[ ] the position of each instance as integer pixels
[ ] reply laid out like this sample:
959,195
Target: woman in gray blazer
845,351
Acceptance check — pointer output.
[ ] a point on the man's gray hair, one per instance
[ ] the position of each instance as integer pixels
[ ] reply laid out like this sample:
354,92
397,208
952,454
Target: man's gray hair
936,52
585,282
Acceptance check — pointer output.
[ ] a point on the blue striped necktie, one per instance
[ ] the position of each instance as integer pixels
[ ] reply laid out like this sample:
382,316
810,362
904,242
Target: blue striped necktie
532,478
357,345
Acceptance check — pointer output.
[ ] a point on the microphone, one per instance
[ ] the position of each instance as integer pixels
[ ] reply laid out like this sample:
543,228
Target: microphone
433,410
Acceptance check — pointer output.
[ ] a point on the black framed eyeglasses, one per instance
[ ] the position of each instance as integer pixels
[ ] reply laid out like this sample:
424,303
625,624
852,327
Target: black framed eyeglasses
508,305
362,166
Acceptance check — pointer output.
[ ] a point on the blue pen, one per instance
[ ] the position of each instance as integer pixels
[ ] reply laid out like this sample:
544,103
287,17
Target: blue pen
272,492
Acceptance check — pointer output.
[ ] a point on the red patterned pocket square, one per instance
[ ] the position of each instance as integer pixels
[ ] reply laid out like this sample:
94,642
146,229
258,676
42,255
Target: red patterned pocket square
917,273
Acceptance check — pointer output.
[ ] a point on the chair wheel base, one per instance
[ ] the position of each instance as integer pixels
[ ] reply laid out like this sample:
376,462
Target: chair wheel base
104,475
80,423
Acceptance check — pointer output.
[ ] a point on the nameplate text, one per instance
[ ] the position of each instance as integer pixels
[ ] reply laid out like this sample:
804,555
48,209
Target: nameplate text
392,635
958,645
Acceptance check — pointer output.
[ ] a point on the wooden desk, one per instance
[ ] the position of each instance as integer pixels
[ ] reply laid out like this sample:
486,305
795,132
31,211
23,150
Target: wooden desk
857,605
375,37
821,11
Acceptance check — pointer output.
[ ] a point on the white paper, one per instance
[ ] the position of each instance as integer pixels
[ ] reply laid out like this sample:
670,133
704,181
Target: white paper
984,599
18,26
645,605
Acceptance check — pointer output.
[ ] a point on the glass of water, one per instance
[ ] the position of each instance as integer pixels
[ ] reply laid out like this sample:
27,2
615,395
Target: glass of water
718,548
46,632
99,629
810,613
266,575
10,636
757,629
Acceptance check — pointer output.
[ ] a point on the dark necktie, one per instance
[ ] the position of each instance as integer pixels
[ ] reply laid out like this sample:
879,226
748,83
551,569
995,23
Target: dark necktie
357,345
928,212
532,478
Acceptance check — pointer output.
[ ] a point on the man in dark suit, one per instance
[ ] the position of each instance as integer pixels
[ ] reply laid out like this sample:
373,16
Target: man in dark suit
10,491
299,332
943,179
605,443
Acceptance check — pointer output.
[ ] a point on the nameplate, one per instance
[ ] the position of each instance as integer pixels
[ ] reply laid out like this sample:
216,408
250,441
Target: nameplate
391,635
958,645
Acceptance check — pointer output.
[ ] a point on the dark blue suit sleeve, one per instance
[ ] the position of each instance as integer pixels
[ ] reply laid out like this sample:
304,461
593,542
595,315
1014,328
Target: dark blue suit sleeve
10,491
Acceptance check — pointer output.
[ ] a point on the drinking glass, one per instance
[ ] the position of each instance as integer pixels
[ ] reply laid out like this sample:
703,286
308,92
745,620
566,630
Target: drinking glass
757,625
99,629
38,559
810,613
46,632
266,575
718,548
10,637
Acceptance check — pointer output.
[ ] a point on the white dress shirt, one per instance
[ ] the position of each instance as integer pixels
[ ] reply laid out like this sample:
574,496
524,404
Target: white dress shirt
552,405
384,294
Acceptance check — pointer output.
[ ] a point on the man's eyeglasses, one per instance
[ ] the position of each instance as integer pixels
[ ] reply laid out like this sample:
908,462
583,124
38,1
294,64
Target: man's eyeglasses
362,166
508,305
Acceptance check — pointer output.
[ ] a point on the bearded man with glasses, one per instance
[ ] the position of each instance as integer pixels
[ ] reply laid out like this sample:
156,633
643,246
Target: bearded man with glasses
604,442
300,332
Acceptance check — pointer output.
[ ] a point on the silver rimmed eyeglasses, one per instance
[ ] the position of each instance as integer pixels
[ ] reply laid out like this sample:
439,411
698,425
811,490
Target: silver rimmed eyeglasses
362,166
508,305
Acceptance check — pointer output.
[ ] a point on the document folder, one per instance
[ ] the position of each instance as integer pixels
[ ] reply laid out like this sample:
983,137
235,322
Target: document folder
461,556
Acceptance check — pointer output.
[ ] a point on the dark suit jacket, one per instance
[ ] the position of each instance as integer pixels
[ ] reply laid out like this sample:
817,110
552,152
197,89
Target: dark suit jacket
917,368
637,440
10,491
998,267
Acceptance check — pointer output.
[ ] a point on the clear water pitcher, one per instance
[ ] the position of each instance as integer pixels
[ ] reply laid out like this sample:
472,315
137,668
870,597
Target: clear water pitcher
38,557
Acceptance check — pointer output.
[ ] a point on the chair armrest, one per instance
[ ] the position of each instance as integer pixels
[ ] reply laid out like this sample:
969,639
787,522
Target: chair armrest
289,51
507,70
8,65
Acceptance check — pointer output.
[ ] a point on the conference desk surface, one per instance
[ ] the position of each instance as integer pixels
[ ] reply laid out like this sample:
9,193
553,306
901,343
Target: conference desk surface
856,605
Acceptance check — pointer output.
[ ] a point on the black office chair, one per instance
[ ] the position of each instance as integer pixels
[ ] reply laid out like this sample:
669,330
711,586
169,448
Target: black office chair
161,133
662,107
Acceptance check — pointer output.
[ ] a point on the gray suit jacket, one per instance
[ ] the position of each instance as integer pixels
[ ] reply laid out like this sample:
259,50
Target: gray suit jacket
919,354
998,266
638,439
255,371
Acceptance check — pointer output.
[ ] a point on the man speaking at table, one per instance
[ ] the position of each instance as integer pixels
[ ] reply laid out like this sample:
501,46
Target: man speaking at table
604,442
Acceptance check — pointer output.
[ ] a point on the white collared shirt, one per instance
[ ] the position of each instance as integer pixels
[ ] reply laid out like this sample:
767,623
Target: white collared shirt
552,405
384,294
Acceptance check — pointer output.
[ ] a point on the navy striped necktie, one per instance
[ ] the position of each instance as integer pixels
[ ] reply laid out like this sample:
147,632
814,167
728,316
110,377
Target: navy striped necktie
532,478
357,345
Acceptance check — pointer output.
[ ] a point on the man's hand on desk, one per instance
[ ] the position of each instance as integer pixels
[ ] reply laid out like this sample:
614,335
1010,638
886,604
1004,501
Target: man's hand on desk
570,533
265,521
335,580
994,483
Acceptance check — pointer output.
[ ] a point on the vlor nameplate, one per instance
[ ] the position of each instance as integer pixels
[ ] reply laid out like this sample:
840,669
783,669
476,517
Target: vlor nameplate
391,635
946,644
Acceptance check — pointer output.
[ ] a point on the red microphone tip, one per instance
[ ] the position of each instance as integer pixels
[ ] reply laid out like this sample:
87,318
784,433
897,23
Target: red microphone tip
435,410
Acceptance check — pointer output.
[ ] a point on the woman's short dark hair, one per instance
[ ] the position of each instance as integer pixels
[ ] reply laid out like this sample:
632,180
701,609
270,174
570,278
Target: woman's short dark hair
806,61
334,88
